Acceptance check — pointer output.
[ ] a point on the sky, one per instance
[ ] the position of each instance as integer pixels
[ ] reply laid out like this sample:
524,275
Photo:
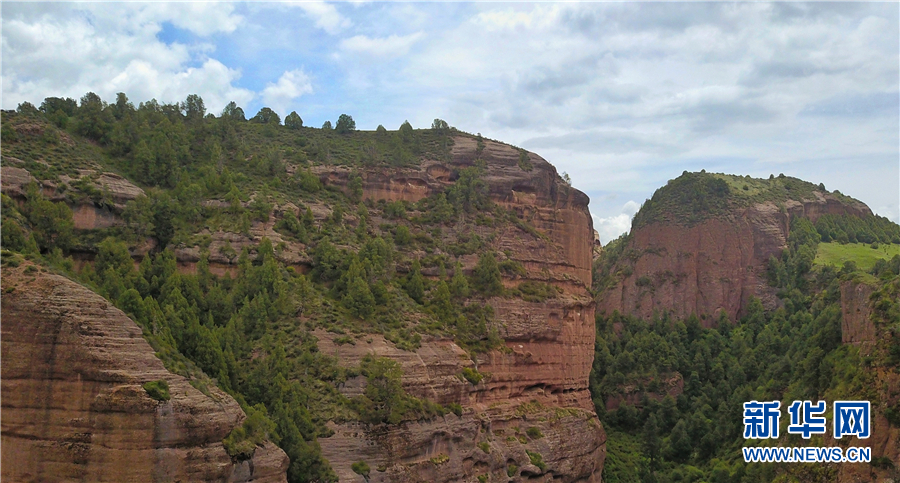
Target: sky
622,96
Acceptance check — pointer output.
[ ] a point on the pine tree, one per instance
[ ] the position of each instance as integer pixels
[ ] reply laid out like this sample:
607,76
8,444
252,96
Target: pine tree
415,283
486,276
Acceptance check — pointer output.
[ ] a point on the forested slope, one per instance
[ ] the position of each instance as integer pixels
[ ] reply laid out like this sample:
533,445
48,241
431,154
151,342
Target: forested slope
345,287
670,387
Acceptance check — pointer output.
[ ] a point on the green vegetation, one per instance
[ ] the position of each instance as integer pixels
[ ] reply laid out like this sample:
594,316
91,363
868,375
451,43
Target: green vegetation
791,353
253,432
693,197
210,181
863,256
537,460
853,229
534,433
485,446
511,470
158,390
361,468
471,375
440,459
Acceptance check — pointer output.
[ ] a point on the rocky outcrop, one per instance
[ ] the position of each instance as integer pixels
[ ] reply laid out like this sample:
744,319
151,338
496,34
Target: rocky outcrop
713,266
862,327
539,379
74,408
491,436
856,314
101,208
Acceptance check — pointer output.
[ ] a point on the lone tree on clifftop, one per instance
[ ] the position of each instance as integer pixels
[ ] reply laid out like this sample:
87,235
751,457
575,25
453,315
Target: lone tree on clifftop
345,124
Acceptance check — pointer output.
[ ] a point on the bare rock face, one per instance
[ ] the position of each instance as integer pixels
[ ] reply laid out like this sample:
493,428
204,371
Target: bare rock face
539,380
856,326
73,404
862,327
711,267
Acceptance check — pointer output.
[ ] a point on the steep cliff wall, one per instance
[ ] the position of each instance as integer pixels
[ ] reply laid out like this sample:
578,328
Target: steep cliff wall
538,380
712,266
73,404
865,327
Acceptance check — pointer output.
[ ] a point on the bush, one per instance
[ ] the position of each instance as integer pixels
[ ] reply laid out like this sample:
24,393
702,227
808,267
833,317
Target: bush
361,468
455,408
243,440
511,470
471,375
537,460
485,446
534,433
158,390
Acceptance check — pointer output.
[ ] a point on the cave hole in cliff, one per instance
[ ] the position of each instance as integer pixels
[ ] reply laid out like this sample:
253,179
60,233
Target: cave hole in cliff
535,387
524,188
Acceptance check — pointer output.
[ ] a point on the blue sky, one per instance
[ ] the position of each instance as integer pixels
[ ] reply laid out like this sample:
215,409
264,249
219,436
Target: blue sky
622,96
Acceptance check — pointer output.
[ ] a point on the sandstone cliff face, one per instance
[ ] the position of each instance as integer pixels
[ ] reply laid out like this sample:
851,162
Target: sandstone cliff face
540,380
74,408
859,328
87,214
714,266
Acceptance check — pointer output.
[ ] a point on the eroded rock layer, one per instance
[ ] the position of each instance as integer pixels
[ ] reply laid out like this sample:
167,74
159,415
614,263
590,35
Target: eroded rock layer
74,408
863,327
713,266
539,380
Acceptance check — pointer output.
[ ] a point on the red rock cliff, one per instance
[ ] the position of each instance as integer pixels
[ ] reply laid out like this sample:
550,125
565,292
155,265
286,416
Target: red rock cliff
864,327
74,408
713,266
539,380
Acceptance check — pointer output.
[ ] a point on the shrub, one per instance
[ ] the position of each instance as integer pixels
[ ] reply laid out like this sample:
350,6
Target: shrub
485,446
158,390
360,468
472,375
534,433
455,408
537,460
512,469
243,440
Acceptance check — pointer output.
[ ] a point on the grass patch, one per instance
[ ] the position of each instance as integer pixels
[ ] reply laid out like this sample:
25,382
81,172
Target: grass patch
863,255
158,390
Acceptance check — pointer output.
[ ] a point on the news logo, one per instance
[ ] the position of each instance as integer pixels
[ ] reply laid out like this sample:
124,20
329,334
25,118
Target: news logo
803,419
851,418
761,419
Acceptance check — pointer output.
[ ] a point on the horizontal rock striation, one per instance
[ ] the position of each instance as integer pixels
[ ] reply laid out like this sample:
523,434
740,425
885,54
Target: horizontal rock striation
74,408
539,380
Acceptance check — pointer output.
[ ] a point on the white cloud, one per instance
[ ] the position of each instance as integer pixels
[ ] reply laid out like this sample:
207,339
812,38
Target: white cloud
611,227
291,85
112,48
392,46
326,16
201,18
